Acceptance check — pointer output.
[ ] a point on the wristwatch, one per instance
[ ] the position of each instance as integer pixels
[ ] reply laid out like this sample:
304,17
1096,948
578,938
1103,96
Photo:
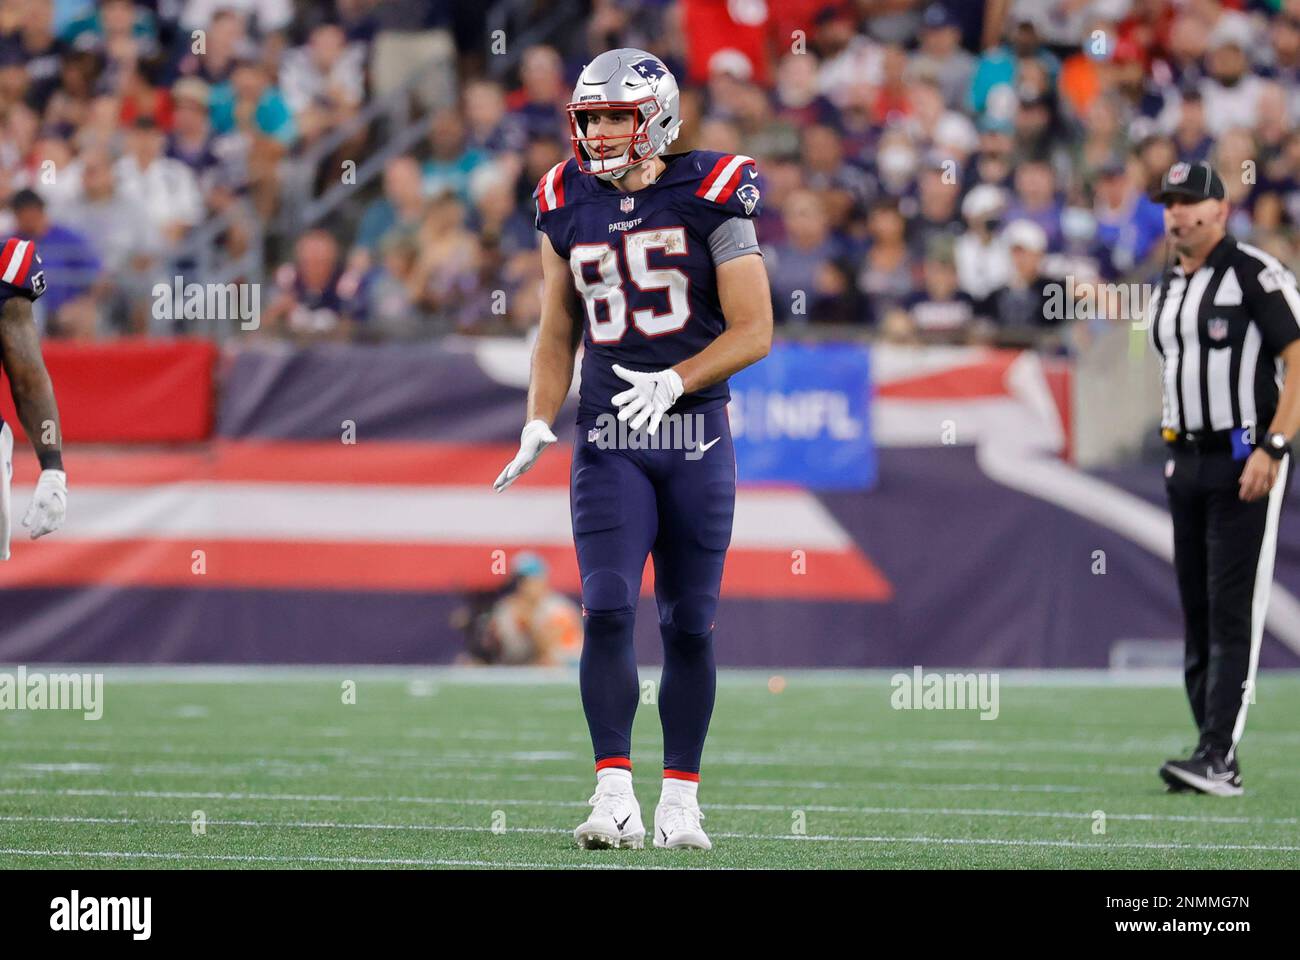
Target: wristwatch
1276,445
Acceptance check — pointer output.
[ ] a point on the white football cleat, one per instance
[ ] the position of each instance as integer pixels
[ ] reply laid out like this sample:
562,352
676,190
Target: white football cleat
677,825
615,819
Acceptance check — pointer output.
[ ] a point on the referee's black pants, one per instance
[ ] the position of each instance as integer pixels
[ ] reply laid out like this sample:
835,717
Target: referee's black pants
1223,554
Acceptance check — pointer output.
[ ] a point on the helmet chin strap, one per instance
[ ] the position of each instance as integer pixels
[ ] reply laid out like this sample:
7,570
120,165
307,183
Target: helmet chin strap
618,174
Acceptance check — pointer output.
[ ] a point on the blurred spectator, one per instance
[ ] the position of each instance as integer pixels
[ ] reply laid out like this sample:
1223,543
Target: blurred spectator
1019,307
118,236
69,106
539,103
265,16
326,68
993,159
1283,55
887,274
1129,224
794,265
798,94
314,296
163,191
1188,40
71,268
110,221
1191,134
255,129
34,45
941,56
190,140
940,310
893,98
225,43
501,224
489,128
398,213
982,258
1231,91
388,292
845,187
852,64
1000,66
53,174
450,162
531,623
323,82
446,272
1036,199
141,96
115,25
936,214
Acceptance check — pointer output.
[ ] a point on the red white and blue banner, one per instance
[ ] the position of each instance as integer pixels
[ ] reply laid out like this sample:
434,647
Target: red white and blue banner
803,416
342,510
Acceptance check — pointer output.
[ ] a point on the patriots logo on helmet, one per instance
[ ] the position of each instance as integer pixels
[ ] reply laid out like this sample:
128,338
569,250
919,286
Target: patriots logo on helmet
748,196
651,70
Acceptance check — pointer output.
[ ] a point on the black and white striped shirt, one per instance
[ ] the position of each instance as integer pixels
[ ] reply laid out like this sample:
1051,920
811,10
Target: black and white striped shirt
1219,334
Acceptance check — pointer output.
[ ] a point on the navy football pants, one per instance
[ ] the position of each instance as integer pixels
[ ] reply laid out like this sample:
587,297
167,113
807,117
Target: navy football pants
627,504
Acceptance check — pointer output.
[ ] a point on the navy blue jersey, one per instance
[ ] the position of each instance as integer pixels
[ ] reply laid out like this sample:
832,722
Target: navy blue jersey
20,270
20,275
644,264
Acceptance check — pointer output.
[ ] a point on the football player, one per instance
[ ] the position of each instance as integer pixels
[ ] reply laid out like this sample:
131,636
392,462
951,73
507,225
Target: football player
653,256
21,282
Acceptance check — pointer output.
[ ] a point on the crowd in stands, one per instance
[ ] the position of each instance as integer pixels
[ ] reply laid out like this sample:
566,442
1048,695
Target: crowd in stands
931,170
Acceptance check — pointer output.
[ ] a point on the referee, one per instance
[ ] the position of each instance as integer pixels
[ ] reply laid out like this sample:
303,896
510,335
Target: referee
1226,323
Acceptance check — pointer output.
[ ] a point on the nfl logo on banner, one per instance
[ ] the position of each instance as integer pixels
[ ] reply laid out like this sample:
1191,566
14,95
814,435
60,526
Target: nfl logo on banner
1179,171
626,204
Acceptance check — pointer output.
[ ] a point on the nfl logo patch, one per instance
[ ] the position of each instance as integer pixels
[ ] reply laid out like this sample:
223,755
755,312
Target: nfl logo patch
593,435
626,204
1178,172
1217,328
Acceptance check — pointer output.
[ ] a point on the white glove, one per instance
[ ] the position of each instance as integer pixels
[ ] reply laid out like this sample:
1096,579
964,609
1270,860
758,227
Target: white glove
535,438
649,397
49,503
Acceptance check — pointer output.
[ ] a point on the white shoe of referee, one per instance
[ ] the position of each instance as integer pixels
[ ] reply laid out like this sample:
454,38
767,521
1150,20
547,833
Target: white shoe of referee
677,818
615,819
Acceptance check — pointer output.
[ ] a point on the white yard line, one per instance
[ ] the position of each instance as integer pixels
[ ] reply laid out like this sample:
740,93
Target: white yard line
489,802
778,838
346,861
456,770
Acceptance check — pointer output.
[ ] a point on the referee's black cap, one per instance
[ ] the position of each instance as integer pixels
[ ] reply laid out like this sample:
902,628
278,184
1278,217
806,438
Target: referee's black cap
1195,181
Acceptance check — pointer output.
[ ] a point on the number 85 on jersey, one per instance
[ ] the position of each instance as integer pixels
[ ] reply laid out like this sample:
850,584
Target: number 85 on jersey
599,281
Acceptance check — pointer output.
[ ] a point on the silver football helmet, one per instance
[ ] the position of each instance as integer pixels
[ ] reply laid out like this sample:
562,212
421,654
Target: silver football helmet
625,79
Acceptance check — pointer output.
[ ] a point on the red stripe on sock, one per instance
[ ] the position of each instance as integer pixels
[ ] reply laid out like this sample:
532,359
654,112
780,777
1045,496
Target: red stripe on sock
623,762
681,775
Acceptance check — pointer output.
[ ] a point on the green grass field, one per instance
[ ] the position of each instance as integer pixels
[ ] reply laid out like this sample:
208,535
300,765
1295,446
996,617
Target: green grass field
476,769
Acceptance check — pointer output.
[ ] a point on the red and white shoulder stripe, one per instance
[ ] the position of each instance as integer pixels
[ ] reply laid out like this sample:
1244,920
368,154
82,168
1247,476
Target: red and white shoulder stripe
723,179
16,260
550,189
